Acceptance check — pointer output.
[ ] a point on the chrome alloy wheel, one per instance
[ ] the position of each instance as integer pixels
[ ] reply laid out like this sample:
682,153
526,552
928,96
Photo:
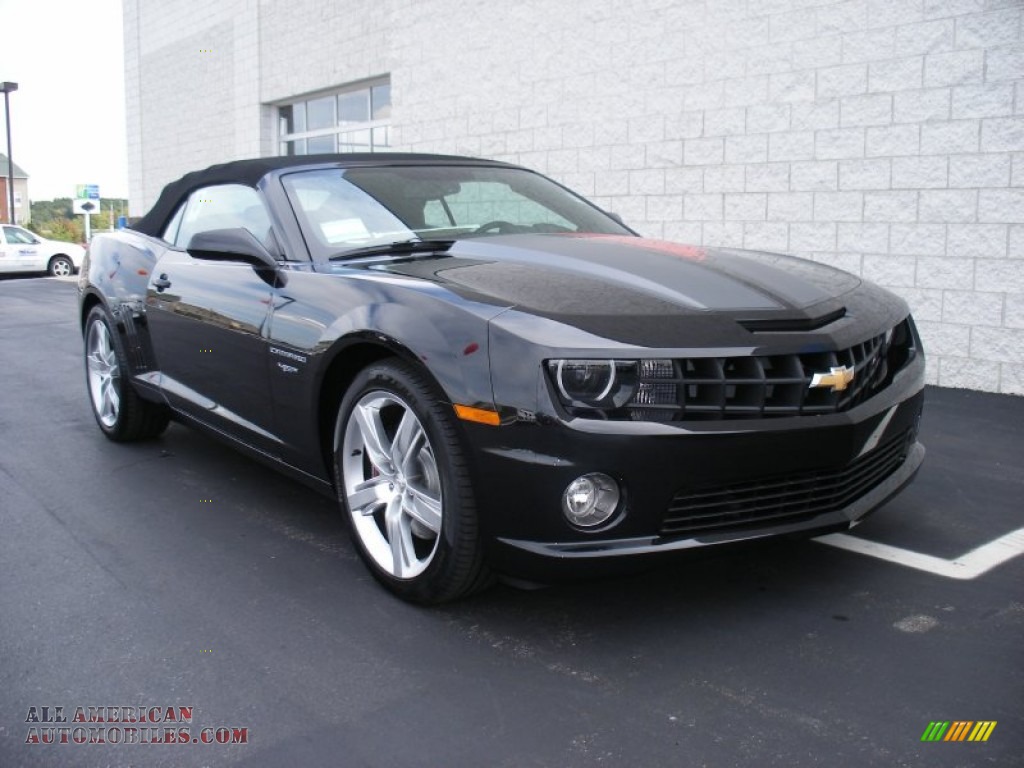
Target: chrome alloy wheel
391,484
61,267
104,374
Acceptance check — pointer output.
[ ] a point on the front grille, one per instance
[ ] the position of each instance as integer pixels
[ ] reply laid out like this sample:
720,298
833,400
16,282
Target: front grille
782,499
764,386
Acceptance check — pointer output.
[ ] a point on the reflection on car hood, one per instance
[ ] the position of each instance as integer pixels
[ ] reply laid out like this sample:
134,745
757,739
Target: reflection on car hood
608,275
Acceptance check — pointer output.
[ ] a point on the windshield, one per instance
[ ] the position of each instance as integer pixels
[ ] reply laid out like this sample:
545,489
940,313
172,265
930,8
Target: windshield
341,209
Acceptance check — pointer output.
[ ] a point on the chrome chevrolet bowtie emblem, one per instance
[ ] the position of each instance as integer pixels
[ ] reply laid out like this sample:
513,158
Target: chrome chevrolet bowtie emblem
837,378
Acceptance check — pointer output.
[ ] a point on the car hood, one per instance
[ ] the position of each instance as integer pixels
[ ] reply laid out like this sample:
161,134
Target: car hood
523,268
648,291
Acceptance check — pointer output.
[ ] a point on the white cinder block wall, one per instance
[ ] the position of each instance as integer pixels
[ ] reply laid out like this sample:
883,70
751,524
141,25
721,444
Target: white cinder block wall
882,136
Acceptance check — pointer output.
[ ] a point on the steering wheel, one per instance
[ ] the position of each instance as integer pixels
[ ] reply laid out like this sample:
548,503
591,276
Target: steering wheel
500,226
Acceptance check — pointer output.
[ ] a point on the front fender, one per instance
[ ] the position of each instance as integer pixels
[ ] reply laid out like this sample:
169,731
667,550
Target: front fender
318,318
453,347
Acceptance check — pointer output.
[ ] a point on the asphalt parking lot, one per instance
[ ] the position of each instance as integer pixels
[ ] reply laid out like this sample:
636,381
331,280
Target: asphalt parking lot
177,573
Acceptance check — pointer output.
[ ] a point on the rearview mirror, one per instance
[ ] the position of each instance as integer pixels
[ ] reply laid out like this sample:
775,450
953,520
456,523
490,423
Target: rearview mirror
236,244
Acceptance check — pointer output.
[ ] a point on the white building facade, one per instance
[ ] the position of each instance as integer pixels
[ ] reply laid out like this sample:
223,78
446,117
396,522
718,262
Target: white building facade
882,136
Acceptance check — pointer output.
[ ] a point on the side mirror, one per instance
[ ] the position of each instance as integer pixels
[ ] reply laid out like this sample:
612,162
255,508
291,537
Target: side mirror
616,217
235,244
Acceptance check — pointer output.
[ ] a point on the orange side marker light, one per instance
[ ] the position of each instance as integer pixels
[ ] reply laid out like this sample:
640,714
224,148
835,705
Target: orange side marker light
479,415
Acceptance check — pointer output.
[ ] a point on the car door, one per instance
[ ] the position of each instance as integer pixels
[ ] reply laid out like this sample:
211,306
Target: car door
208,320
21,252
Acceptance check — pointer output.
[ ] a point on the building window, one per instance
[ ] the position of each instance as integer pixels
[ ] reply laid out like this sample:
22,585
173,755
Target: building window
351,119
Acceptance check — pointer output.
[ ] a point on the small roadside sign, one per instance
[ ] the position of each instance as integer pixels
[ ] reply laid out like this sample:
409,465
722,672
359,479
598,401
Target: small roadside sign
87,192
86,206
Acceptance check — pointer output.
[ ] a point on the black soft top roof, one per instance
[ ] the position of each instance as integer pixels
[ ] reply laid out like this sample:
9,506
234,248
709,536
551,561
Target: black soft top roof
249,172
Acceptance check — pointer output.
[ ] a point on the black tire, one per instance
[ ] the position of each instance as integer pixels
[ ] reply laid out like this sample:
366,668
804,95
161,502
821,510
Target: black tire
120,412
61,266
419,491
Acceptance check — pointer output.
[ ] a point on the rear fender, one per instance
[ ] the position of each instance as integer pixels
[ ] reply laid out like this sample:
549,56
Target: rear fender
117,270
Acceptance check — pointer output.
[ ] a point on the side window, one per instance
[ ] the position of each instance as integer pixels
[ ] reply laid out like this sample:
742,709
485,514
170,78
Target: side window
224,206
16,235
171,232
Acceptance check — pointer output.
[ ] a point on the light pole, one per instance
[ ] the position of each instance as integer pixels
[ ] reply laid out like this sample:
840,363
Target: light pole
9,88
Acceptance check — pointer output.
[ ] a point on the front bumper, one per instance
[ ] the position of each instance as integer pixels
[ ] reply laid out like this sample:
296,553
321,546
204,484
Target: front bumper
523,469
545,556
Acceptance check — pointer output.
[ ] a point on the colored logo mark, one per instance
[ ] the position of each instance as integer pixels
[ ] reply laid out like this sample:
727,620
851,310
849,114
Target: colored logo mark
959,730
837,378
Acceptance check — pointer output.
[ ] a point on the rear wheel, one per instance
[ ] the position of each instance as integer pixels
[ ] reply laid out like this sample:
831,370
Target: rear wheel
61,266
404,484
120,413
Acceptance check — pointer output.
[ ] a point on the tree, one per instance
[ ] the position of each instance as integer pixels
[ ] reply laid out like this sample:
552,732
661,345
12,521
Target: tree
54,218
69,230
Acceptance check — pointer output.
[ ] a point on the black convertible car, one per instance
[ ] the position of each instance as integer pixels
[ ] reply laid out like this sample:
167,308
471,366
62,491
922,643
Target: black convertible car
493,375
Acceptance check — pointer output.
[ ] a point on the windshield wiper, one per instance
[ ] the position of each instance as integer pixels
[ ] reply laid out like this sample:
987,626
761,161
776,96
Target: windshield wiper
398,247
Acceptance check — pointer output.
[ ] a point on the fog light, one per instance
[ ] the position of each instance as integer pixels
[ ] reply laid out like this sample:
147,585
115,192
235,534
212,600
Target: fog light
590,500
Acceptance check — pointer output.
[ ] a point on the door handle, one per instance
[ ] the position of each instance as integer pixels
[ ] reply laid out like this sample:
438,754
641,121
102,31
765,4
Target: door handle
161,283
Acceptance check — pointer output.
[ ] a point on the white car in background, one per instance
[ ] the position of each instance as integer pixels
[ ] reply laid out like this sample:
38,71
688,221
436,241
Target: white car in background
24,251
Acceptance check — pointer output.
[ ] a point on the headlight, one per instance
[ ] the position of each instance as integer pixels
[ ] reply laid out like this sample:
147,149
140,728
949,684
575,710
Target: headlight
594,383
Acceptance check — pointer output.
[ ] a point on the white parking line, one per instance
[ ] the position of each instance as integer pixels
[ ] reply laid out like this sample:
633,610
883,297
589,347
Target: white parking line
968,566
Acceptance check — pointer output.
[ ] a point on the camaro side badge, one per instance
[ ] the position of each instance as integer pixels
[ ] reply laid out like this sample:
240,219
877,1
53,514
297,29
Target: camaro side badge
838,378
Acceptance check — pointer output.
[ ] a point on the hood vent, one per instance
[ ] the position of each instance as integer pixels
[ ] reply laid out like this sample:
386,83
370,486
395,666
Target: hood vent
791,325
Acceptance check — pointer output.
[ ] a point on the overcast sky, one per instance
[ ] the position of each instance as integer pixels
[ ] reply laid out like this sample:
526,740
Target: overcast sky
67,116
